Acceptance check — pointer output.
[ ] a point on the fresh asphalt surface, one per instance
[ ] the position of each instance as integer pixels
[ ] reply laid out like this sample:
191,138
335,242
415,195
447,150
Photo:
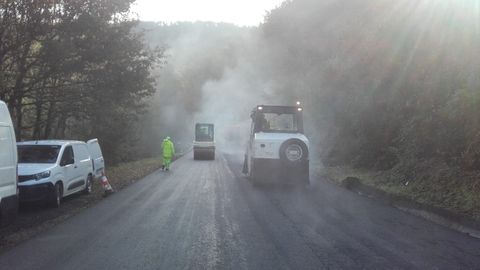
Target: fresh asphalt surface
206,215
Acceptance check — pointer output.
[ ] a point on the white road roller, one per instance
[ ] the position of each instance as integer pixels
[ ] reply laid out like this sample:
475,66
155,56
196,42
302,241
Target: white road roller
277,150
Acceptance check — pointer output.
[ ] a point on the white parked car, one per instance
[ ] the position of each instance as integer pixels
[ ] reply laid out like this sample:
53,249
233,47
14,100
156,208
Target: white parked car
277,149
8,167
53,169
204,143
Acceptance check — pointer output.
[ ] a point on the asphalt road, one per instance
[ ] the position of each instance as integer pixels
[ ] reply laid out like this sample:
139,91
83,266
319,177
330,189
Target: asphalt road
206,215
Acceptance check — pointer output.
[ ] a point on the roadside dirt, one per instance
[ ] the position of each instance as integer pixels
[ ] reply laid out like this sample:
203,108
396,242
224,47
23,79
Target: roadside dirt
361,182
34,218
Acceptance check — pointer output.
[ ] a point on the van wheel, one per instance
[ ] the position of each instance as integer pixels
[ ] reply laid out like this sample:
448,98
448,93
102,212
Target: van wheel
8,211
57,194
212,156
4,220
88,186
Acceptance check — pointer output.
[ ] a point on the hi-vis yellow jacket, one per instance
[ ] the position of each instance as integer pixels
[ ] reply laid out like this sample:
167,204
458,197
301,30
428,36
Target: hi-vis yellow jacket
168,148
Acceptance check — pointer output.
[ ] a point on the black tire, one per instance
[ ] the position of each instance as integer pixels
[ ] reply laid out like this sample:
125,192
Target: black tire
212,156
195,155
56,197
89,185
253,176
306,180
4,219
298,145
245,165
8,211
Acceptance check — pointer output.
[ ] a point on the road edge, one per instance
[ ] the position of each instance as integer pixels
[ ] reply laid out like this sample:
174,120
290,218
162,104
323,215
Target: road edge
27,233
433,214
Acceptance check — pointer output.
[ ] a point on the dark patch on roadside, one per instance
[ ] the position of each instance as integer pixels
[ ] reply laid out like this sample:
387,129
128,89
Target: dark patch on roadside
438,215
351,183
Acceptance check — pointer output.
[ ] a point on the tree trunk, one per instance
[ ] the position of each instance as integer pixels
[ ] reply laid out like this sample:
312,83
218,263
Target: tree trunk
18,91
38,116
50,120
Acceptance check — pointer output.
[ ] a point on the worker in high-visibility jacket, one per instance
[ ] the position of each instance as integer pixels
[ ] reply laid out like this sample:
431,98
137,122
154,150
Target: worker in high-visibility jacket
168,150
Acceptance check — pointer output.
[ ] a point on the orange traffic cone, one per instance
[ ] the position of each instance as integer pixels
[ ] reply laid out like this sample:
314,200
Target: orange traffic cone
106,185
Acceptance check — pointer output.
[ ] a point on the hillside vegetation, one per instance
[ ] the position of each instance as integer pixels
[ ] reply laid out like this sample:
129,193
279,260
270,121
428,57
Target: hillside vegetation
75,70
393,86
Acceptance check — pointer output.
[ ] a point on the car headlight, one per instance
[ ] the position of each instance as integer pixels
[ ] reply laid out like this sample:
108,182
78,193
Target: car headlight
42,175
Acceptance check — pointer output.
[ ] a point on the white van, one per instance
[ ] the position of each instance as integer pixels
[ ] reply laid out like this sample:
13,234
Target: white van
8,167
53,169
97,158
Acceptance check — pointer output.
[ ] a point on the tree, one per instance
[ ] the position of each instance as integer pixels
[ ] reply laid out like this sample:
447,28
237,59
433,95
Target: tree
68,68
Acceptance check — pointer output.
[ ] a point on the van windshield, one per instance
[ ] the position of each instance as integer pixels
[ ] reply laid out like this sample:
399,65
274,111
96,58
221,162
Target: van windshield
38,153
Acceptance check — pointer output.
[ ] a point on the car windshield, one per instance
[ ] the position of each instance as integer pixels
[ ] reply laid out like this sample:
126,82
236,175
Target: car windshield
277,122
38,153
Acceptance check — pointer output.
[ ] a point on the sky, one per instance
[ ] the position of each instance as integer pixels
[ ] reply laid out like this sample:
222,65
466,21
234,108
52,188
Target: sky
239,12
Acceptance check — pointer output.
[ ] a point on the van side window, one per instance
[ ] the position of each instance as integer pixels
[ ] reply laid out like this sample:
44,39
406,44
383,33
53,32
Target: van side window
67,157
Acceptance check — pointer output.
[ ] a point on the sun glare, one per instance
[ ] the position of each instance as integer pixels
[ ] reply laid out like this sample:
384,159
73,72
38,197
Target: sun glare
243,13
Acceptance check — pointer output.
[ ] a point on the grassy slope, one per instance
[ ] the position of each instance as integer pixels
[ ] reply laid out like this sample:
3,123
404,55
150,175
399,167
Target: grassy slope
126,173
